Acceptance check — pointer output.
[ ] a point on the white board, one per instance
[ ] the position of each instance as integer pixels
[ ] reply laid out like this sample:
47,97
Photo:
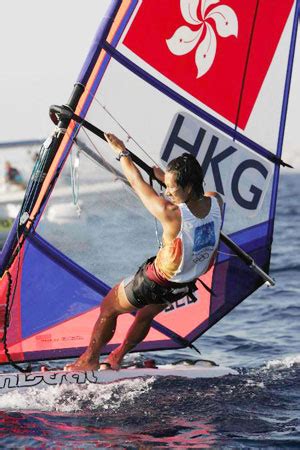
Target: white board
17,380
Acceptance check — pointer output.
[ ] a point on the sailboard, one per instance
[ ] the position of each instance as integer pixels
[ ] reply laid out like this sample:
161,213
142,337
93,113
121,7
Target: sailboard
10,382
207,77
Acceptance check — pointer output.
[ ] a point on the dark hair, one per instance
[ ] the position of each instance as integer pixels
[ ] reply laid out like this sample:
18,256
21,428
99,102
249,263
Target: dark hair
188,171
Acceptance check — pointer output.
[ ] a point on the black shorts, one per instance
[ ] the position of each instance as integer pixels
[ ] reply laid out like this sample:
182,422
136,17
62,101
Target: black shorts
142,291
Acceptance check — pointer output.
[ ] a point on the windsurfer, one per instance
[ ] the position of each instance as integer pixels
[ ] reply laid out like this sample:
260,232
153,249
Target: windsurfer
13,176
191,222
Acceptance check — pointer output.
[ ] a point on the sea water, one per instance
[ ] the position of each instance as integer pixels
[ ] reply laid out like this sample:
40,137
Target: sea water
259,408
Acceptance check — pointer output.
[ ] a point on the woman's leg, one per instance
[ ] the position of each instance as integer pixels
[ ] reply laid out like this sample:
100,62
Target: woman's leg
114,304
136,333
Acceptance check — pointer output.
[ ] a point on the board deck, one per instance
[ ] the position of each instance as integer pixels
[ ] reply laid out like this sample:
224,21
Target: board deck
17,380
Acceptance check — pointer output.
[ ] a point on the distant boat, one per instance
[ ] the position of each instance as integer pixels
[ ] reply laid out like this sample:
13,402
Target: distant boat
20,143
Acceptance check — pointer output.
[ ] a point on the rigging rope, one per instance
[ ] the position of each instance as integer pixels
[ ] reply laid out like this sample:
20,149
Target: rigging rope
125,131
74,169
111,168
159,241
36,176
10,297
34,181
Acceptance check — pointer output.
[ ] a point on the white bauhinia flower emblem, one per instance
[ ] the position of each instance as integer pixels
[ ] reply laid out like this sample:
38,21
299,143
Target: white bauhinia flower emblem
185,40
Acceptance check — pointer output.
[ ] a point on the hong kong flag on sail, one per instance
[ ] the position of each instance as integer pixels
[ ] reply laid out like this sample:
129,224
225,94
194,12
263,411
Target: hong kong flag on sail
205,47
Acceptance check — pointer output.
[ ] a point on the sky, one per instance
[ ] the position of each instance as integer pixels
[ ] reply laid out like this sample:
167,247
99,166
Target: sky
43,46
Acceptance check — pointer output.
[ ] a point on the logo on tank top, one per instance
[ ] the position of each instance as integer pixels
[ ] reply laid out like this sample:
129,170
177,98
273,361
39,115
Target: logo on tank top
204,239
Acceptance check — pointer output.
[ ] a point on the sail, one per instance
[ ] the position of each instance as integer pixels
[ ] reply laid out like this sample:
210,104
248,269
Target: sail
208,77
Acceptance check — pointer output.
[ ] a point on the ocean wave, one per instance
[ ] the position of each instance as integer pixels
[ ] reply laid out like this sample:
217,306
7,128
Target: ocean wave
77,398
285,363
287,268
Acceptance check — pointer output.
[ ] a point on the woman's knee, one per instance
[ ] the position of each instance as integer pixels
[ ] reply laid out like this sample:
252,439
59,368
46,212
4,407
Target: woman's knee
115,302
150,311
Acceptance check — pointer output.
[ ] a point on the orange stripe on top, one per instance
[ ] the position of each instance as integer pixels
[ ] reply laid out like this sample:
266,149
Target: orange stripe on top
118,19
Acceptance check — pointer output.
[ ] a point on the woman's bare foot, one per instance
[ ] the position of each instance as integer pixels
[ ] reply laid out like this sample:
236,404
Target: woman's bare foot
114,359
82,364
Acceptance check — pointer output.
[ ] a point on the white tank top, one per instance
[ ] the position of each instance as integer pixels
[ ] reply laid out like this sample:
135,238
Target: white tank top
200,238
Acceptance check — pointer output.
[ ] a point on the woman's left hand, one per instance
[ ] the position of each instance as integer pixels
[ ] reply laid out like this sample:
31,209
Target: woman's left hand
116,144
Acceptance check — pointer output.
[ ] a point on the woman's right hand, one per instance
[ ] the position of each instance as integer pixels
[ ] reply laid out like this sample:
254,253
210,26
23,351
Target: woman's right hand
159,173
